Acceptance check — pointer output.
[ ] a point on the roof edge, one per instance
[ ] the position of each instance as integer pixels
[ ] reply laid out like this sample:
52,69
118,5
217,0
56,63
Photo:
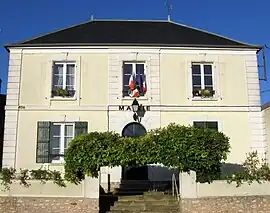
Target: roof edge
131,44
20,44
265,106
221,36
75,25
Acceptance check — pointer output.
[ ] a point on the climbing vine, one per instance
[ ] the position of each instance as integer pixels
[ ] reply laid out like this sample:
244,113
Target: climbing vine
10,175
175,146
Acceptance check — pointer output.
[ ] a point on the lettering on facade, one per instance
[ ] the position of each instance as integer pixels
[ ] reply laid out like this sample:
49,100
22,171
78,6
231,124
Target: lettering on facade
129,108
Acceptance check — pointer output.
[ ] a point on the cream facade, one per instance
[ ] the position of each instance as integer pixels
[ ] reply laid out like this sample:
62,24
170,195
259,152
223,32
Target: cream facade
98,98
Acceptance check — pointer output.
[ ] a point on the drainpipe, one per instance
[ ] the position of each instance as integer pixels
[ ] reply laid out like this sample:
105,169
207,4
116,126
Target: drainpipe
264,63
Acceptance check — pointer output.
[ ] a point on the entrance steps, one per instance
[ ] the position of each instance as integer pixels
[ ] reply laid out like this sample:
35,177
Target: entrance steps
150,202
141,196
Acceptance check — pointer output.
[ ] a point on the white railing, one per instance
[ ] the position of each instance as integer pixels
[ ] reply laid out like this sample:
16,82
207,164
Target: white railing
175,188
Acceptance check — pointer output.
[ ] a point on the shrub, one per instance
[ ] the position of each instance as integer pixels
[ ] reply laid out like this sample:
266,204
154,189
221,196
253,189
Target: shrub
175,146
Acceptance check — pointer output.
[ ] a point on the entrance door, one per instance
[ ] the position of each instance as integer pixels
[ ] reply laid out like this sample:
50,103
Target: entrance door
134,129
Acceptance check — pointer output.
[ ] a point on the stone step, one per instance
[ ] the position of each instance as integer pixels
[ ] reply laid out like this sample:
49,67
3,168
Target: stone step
144,207
131,189
127,211
151,196
147,202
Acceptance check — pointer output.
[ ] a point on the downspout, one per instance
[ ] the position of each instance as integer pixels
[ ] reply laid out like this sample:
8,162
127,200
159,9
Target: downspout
17,125
108,118
264,64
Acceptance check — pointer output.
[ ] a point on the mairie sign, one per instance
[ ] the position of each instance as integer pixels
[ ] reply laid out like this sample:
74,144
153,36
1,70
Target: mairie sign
129,108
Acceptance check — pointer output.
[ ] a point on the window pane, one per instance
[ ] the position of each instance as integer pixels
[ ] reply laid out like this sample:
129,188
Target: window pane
199,124
127,69
55,143
208,80
56,130
196,88
209,87
70,69
212,125
139,69
58,69
196,80
67,140
70,81
207,69
206,124
69,130
57,81
126,79
196,69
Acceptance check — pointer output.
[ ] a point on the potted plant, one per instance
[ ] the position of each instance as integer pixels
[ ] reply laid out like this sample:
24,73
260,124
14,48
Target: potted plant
61,92
207,93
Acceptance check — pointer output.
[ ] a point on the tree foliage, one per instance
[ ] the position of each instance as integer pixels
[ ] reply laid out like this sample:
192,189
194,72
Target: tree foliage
175,146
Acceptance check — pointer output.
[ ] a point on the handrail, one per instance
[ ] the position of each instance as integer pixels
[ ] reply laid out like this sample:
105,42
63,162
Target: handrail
175,187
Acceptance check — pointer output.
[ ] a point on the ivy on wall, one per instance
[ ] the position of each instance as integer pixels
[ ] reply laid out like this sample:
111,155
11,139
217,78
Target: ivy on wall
10,175
175,146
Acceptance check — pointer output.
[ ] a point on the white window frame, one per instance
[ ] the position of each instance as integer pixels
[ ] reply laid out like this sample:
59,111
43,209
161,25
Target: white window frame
133,63
65,75
205,119
202,77
62,139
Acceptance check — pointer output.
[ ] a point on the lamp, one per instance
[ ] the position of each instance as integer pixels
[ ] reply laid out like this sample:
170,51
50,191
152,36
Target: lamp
135,105
138,110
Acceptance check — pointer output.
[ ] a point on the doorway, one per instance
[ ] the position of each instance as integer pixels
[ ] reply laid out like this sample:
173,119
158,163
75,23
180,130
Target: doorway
134,129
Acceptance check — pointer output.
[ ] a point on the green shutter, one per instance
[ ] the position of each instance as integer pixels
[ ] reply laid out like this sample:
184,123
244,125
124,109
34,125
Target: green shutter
81,128
43,142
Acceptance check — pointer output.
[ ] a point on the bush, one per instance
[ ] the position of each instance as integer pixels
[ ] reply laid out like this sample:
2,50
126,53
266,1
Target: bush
254,169
175,146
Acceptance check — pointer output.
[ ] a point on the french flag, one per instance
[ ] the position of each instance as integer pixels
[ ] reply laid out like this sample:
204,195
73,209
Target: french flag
144,86
131,82
135,93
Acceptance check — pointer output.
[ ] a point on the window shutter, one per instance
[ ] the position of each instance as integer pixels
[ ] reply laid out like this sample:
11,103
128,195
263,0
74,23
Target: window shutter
81,128
43,142
189,80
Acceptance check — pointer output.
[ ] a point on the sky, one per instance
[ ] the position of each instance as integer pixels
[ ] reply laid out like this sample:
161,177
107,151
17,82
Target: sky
244,20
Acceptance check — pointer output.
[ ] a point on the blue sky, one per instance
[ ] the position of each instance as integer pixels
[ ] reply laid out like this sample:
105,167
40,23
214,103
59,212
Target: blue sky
241,20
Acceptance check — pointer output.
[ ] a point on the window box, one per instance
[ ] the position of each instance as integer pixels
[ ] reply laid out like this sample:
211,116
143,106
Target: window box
204,93
63,93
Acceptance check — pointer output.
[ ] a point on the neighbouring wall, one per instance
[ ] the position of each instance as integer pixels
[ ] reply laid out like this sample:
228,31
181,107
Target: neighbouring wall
48,205
243,204
51,198
222,197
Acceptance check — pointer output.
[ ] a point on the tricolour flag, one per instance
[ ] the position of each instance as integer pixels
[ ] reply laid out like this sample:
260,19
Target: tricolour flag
135,93
131,82
144,86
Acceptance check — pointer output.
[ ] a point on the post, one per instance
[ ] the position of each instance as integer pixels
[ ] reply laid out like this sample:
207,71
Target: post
188,185
91,187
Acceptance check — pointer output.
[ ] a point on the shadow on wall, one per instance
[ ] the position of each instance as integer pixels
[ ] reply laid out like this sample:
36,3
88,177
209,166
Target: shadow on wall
161,173
227,169
2,121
